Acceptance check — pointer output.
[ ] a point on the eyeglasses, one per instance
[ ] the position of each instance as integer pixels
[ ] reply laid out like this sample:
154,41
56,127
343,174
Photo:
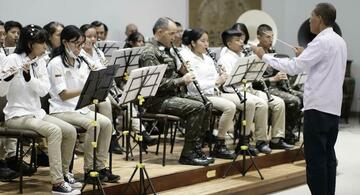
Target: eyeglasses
77,44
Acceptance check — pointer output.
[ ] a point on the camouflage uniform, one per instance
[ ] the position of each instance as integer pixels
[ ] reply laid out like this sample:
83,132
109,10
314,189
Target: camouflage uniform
170,99
292,99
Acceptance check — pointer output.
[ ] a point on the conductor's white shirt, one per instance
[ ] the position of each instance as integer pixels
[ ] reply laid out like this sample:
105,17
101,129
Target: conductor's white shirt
23,98
324,60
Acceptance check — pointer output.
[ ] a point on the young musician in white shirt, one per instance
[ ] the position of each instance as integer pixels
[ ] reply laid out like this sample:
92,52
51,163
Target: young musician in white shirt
206,75
68,74
23,109
234,41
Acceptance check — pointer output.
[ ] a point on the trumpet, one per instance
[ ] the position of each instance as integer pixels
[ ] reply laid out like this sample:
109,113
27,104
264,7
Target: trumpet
195,82
12,70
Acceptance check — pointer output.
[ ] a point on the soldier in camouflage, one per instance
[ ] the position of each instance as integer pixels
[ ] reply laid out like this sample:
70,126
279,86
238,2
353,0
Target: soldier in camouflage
169,98
278,85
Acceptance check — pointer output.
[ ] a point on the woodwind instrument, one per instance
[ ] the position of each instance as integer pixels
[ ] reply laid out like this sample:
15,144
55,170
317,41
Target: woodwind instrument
219,70
14,69
195,82
114,91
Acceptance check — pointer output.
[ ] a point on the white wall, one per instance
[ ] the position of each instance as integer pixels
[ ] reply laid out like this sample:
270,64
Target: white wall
114,13
289,15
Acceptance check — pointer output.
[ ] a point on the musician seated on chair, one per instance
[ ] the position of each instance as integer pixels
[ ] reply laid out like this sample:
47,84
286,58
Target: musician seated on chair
23,109
229,58
203,67
169,99
68,74
278,84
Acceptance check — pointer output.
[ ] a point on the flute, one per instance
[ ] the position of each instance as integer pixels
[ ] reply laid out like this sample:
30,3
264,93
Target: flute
14,69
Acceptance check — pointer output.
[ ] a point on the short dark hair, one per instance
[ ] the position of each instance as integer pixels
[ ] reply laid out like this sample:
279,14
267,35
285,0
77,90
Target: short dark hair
227,35
11,24
86,27
29,35
193,35
242,28
1,23
262,28
133,37
97,23
161,23
327,12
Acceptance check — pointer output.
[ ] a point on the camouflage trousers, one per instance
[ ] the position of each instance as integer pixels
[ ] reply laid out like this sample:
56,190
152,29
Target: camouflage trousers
195,114
293,105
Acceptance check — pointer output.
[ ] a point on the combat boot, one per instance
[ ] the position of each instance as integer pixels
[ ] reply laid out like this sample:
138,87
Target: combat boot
221,151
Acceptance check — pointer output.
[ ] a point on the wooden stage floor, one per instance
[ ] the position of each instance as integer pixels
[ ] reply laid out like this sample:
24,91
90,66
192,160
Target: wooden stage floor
172,178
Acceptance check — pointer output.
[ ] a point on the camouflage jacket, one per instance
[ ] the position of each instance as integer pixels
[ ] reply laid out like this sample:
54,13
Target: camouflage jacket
155,54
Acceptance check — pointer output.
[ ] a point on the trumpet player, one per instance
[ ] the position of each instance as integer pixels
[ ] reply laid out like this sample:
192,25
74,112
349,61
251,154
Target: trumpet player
278,84
234,40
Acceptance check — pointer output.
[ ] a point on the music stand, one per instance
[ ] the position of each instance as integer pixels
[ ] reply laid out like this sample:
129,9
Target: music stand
107,47
126,60
95,90
142,83
246,69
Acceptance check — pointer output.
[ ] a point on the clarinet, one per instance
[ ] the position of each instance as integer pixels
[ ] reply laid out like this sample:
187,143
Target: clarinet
219,68
268,95
197,86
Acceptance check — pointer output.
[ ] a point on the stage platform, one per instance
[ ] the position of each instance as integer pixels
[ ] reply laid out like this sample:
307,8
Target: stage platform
174,178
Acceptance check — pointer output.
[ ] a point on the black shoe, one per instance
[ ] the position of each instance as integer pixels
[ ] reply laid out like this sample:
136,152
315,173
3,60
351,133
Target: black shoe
7,174
116,148
209,138
202,154
194,159
149,141
221,151
42,159
107,176
281,144
263,147
13,164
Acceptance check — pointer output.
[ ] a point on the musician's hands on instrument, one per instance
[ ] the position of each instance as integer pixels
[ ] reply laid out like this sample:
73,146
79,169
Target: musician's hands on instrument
26,67
221,79
259,51
188,78
279,76
298,50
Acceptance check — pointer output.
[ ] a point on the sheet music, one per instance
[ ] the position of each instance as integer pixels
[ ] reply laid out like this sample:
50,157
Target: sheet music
251,68
127,59
108,47
300,79
144,81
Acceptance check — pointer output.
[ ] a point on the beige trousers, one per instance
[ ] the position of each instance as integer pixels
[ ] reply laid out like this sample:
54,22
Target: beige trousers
61,138
103,136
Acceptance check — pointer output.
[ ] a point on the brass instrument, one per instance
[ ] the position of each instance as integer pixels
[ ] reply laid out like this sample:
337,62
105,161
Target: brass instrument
197,86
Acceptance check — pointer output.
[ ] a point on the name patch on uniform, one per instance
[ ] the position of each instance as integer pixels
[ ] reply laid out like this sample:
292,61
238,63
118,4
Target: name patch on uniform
58,75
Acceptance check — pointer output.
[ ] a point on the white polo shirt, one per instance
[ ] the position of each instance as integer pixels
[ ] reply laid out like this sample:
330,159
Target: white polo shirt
23,98
324,60
66,78
204,71
4,86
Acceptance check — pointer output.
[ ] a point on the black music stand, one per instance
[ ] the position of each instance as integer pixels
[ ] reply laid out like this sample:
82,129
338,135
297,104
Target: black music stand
126,60
108,47
142,83
95,90
246,69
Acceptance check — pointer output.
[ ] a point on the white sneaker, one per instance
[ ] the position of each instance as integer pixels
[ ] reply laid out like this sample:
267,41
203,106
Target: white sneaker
64,189
69,178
